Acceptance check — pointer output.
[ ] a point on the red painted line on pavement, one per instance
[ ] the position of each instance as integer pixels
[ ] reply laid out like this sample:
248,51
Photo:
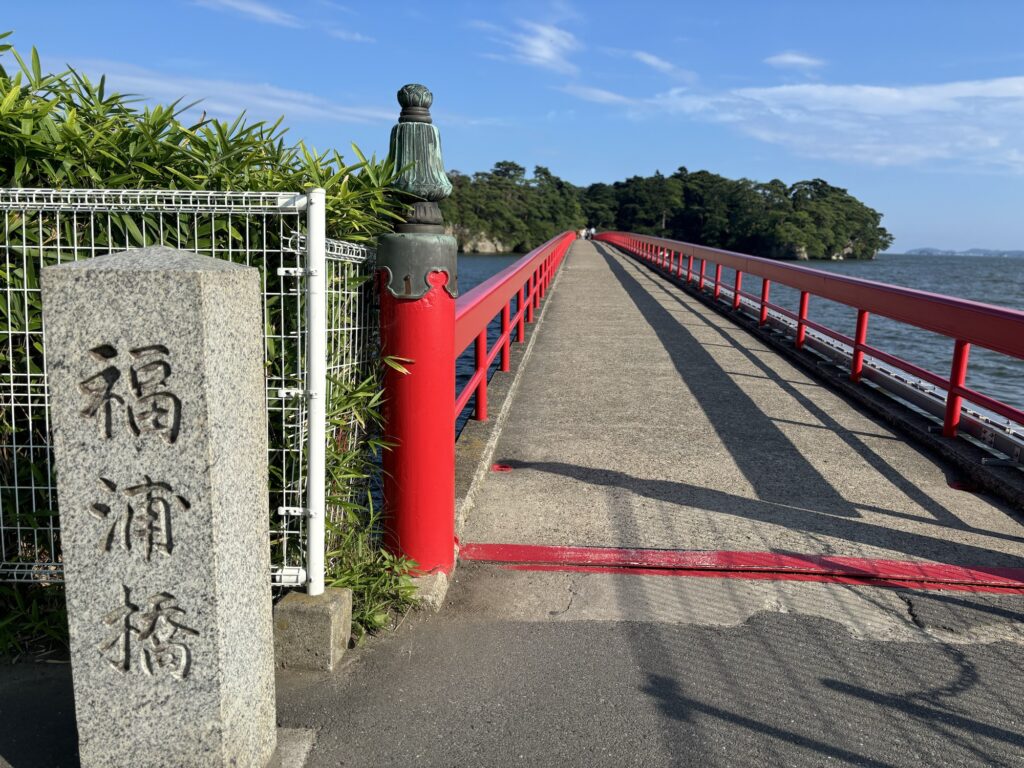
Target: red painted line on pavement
751,565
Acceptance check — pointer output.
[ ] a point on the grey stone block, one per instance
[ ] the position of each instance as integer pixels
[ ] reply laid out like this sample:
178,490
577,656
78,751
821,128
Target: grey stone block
155,368
312,632
431,590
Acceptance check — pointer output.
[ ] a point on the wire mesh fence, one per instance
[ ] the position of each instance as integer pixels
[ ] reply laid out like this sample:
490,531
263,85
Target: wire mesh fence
262,230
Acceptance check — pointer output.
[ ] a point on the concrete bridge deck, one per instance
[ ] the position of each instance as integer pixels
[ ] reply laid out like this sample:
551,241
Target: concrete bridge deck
643,418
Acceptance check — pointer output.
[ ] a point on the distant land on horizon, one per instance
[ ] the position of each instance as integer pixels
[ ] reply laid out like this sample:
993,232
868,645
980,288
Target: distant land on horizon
947,252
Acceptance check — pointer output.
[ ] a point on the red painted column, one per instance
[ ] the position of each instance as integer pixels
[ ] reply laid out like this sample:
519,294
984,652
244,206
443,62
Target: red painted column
480,414
957,378
718,280
860,338
737,288
689,268
419,470
521,311
766,286
530,303
801,323
506,337
417,279
700,279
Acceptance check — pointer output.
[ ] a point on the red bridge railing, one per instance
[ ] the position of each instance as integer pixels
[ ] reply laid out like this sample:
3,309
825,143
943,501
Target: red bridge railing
962,321
526,282
423,332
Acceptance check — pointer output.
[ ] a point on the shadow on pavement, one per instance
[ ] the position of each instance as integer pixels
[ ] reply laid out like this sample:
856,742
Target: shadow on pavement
37,716
777,513
789,690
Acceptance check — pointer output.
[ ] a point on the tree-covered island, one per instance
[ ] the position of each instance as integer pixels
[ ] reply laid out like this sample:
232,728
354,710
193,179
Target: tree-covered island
503,210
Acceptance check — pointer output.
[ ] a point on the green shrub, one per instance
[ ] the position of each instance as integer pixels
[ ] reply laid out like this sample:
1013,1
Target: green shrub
66,131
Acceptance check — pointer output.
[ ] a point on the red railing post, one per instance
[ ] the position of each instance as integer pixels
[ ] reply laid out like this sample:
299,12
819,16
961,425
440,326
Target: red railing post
801,322
417,279
480,414
718,280
700,280
957,377
737,289
530,297
521,311
506,337
689,269
766,286
679,266
860,338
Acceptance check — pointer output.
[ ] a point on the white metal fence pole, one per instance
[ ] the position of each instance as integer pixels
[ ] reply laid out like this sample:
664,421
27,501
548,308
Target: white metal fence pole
316,387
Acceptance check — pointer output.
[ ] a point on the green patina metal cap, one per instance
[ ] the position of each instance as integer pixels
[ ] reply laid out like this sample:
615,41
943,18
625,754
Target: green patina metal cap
416,147
418,246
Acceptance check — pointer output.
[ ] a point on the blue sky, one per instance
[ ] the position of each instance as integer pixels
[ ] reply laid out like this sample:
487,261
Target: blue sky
916,107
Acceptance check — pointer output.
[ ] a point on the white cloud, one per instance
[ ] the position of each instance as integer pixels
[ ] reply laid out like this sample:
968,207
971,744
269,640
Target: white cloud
228,98
596,95
971,123
660,65
969,96
351,37
539,45
255,10
966,122
794,60
653,61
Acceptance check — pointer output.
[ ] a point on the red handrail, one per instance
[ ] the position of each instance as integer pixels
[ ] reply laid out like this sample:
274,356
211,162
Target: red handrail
965,322
527,281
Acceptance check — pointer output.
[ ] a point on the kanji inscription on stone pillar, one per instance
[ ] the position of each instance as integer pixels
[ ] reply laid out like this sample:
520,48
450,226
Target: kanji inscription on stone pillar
155,368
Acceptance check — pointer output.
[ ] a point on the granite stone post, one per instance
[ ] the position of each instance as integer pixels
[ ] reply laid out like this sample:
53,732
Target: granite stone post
155,368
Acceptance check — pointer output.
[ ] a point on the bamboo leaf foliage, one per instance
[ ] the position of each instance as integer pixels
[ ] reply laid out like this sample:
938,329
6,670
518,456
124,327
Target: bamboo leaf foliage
65,130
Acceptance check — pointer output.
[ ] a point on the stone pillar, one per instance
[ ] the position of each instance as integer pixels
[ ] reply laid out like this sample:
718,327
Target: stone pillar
155,366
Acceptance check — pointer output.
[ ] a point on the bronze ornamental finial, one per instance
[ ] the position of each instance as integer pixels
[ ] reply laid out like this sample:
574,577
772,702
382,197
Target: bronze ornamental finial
415,100
416,150
419,245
